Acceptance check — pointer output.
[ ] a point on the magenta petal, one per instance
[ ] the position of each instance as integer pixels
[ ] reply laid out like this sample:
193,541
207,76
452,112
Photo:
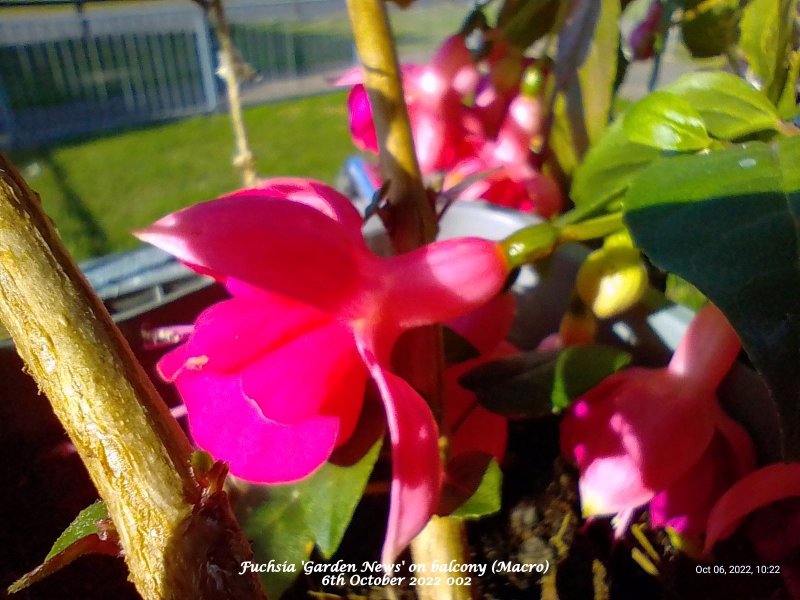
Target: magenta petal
319,372
488,325
416,468
707,350
622,434
315,194
756,490
443,280
471,427
362,128
171,364
234,332
231,427
267,243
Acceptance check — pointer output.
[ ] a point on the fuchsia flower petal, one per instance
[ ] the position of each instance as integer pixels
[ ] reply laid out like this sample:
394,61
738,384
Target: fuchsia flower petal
756,490
416,467
488,325
622,436
424,286
234,332
297,381
362,128
229,425
265,242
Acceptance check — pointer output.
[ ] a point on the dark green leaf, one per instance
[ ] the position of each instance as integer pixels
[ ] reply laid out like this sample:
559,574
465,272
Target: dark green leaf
766,33
727,104
457,348
472,487
525,21
317,510
278,531
710,28
89,533
727,223
609,167
667,122
535,384
330,496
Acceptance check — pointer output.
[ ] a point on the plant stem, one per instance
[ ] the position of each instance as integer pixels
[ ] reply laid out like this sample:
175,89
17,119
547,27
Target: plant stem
135,453
243,159
412,218
411,223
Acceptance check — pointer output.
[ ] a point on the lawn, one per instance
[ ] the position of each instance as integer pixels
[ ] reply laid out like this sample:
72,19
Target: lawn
97,190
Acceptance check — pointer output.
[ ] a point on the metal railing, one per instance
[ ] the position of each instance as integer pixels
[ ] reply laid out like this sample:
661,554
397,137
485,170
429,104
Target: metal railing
70,73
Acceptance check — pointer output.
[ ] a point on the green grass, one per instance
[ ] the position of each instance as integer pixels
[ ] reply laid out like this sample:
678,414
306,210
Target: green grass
97,190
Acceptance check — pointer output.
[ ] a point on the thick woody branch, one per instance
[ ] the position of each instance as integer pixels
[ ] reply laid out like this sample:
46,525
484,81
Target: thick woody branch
179,540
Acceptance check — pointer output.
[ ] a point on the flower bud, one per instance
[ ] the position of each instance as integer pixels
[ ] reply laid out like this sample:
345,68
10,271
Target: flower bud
611,280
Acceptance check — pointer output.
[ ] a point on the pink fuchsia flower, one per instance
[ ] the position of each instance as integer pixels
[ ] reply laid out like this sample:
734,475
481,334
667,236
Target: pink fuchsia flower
472,428
640,431
273,378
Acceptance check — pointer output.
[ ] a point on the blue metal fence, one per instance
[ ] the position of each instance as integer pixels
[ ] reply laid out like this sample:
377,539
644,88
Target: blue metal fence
67,74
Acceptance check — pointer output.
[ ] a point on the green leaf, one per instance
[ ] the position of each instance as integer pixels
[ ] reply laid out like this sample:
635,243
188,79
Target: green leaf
535,384
665,121
278,531
727,223
728,105
86,523
607,170
295,517
766,34
89,533
525,21
787,103
484,492
330,496
588,47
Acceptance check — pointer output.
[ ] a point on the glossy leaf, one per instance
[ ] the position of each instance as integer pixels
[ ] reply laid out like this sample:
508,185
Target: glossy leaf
766,31
330,496
728,105
317,510
607,170
486,496
278,531
734,236
89,533
535,384
667,122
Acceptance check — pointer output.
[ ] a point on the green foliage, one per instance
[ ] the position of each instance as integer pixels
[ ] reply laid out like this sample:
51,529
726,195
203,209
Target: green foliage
766,37
727,223
317,510
483,498
729,106
535,384
87,534
667,122
608,169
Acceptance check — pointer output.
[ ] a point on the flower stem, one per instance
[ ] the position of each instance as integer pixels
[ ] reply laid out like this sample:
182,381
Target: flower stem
179,541
411,223
243,159
412,218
